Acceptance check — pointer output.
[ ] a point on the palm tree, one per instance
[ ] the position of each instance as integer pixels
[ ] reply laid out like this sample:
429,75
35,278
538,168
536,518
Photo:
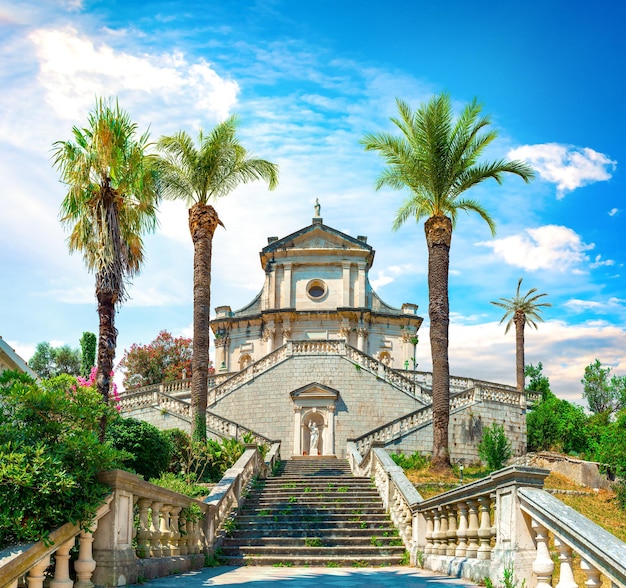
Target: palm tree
521,311
197,175
436,158
110,202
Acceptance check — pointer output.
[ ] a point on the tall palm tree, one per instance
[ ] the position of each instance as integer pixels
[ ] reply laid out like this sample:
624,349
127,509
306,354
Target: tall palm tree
436,158
521,311
197,175
110,202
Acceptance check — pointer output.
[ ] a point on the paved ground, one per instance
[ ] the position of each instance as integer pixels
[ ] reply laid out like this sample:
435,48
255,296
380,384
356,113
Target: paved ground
264,577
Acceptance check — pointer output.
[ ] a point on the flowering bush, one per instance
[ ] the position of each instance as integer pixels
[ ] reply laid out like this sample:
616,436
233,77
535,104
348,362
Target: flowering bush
90,382
162,360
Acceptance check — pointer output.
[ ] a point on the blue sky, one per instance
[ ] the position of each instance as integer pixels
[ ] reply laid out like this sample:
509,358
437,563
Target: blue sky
307,80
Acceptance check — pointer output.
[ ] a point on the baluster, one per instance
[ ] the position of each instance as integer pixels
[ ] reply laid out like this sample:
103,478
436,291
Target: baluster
543,566
164,539
85,564
144,533
592,573
436,531
155,533
461,533
190,538
429,548
182,541
566,577
174,531
37,573
443,532
62,566
472,529
484,532
452,530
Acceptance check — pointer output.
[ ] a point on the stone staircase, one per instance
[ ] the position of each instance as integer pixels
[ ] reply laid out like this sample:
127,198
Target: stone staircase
314,512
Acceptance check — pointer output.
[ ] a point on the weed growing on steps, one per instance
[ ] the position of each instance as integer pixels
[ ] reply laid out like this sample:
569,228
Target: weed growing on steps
313,542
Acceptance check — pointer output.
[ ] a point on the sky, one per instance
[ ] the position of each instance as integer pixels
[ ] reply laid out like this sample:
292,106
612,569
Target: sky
307,81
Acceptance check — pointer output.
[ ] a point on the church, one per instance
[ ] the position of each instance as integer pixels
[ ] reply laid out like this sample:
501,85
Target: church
318,359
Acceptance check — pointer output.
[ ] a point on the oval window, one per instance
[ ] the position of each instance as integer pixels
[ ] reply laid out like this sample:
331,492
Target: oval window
316,289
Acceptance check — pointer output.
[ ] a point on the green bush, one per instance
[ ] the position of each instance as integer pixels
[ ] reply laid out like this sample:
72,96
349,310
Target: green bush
149,449
49,455
415,461
494,447
181,448
178,483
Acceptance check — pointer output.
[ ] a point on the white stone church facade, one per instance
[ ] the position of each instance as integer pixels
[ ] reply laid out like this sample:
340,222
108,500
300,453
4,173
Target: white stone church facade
317,348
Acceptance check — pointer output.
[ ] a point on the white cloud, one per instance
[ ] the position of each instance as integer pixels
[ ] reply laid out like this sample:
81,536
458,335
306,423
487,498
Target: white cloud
598,262
483,351
548,247
566,166
387,276
73,69
611,305
613,211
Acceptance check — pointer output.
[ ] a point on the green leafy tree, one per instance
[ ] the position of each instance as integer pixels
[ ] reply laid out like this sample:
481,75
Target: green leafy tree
162,360
50,361
495,447
437,159
110,203
49,455
148,450
554,424
521,311
88,353
601,392
199,174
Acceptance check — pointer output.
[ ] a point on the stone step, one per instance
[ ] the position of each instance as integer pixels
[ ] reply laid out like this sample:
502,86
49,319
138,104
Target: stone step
313,561
283,552
295,509
314,540
339,534
319,522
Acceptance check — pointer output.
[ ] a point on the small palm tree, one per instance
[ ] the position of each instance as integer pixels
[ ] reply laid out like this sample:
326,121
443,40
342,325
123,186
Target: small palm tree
198,175
436,158
111,201
521,311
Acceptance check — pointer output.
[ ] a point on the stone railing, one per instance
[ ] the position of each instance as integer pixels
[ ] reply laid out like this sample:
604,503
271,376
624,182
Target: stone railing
599,551
499,523
398,494
231,430
173,534
389,375
404,425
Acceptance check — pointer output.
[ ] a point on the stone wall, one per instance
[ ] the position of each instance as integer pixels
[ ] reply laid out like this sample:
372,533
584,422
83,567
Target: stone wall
364,403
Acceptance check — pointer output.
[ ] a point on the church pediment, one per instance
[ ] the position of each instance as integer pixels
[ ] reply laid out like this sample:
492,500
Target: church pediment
314,391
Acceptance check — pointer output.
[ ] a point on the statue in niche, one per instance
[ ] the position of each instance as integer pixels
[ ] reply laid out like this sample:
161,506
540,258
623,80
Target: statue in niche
314,439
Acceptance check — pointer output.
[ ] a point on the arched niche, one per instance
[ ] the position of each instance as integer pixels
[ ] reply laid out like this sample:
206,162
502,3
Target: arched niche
314,403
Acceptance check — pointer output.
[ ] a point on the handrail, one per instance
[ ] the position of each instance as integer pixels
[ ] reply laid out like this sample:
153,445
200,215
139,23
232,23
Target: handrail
25,557
169,524
594,544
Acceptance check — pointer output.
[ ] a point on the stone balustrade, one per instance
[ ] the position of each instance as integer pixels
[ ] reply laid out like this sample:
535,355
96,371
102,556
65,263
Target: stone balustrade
600,552
406,424
142,531
502,522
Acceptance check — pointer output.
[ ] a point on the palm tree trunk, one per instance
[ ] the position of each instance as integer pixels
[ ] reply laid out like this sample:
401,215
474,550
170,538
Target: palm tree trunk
203,221
438,231
107,340
520,321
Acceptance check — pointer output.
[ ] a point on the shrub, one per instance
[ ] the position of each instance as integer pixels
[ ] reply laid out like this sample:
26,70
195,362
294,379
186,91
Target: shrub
415,461
494,447
178,483
149,449
49,455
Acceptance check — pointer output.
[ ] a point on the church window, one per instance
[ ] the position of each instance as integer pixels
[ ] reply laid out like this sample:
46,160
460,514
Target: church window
316,289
